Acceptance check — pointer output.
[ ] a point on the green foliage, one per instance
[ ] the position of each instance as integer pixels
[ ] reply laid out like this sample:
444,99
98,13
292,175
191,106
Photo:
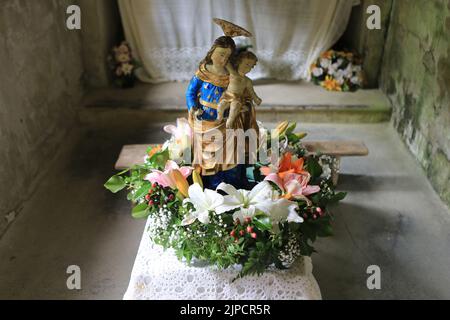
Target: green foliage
159,159
140,211
314,168
263,223
115,184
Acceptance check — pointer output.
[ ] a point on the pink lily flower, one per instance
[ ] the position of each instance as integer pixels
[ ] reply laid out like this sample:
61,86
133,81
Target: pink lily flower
294,185
164,178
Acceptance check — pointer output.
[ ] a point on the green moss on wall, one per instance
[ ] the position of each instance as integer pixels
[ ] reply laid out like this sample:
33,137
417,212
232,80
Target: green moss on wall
416,78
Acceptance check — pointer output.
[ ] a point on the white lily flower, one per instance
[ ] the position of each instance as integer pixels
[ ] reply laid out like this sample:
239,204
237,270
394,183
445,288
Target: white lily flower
204,201
181,138
284,210
247,201
262,198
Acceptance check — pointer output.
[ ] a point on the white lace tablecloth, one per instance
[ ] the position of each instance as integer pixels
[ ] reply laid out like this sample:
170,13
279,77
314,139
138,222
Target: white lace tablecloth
159,275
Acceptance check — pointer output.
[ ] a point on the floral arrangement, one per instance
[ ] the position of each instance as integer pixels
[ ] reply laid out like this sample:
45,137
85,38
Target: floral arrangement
268,226
122,65
338,71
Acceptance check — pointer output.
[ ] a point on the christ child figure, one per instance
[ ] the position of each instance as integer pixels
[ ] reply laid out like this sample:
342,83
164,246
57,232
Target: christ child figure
240,89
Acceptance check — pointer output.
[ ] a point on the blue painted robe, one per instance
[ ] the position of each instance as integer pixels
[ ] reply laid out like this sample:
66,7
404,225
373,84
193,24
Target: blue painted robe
204,91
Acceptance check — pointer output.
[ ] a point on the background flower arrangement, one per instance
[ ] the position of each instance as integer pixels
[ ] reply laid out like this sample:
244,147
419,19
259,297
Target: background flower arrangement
269,226
338,71
123,66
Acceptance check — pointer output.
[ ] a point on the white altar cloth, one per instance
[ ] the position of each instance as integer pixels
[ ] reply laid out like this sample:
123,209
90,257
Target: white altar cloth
159,275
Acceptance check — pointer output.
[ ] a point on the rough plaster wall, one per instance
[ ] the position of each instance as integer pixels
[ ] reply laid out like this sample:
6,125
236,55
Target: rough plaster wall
100,30
416,77
369,43
40,89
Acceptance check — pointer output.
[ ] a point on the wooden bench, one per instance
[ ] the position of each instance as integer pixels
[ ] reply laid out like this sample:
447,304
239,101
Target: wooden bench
134,154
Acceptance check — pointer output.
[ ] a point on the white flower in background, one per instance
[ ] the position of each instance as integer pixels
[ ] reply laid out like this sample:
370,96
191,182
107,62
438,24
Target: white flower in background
181,138
317,72
339,62
357,68
325,63
123,57
204,201
127,68
326,173
332,70
348,72
355,80
340,74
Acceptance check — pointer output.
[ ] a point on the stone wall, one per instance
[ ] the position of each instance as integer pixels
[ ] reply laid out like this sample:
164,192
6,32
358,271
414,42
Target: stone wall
369,43
40,90
101,30
416,78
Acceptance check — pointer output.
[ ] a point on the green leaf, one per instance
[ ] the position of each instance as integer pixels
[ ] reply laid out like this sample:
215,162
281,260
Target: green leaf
140,211
291,128
293,138
159,159
305,248
325,231
337,197
313,167
263,223
142,191
115,184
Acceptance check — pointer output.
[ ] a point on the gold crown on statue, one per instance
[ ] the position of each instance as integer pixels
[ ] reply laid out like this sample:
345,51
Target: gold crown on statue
232,30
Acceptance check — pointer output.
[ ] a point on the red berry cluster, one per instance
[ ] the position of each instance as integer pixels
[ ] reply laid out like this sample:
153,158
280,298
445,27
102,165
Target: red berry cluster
158,195
242,230
313,213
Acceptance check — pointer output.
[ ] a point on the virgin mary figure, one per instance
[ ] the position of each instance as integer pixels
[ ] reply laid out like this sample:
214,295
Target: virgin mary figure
212,156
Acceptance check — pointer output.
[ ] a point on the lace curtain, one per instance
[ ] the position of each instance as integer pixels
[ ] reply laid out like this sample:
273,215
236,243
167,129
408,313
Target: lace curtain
170,37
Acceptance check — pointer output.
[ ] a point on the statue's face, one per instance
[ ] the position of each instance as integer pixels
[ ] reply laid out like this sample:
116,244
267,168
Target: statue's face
246,65
220,56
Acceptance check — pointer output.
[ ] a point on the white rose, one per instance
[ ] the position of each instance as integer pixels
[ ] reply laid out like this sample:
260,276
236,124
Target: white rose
325,63
317,72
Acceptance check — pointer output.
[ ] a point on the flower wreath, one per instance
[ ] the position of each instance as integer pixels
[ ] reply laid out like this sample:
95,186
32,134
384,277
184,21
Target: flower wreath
338,71
270,225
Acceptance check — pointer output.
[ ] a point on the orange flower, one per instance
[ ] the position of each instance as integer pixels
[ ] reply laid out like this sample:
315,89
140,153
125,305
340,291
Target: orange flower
331,84
287,166
180,182
327,55
154,150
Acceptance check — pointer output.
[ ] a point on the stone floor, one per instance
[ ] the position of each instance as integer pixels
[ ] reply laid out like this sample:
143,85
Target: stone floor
391,218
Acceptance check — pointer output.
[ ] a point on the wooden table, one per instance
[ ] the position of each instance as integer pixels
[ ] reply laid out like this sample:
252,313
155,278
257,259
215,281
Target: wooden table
134,154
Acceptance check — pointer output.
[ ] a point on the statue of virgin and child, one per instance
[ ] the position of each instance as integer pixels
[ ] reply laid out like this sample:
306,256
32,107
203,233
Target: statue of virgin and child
221,103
